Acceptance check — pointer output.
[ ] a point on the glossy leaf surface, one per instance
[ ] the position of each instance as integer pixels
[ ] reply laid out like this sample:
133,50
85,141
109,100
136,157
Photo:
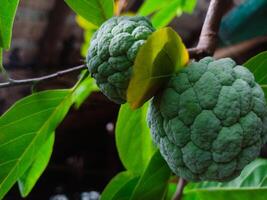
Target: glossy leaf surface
94,11
251,184
8,10
33,173
133,140
154,181
157,60
25,127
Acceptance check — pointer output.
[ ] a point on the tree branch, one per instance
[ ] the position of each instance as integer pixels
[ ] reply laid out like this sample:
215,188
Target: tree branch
179,191
248,47
209,33
30,81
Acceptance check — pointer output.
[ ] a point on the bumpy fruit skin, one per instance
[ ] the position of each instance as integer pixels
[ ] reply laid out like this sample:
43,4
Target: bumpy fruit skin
112,52
210,121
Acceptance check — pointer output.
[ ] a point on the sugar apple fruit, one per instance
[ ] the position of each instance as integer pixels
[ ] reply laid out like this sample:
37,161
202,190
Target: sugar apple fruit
210,120
112,52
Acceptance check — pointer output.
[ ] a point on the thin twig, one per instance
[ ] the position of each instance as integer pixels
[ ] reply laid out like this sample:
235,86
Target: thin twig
209,33
179,191
242,48
30,81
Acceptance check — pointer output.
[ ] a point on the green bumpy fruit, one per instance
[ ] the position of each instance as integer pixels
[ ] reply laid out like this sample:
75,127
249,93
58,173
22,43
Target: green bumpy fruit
112,52
210,120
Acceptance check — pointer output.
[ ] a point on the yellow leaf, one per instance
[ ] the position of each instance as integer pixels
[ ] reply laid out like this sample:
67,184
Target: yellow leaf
158,59
83,23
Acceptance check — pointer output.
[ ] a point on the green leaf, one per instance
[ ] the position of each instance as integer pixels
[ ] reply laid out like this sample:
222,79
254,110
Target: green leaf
189,5
133,140
83,90
257,65
7,14
116,185
125,192
165,15
33,173
150,6
157,60
251,184
171,189
95,11
25,127
165,10
84,24
154,181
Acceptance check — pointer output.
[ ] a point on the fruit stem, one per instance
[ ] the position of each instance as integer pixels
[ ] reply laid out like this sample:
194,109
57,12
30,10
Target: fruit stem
180,188
209,33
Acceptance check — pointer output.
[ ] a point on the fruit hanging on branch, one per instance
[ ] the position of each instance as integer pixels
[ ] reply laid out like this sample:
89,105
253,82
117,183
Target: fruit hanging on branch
208,118
112,52
210,121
